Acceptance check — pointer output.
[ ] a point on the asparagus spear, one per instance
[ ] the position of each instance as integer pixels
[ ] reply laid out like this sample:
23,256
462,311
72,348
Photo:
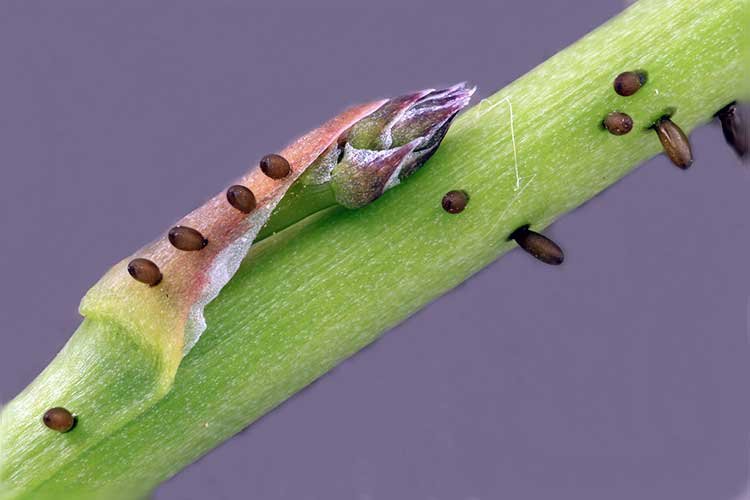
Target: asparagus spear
318,292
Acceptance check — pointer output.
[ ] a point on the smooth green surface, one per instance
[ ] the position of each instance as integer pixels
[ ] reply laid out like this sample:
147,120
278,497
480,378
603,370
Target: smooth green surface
100,367
300,202
318,292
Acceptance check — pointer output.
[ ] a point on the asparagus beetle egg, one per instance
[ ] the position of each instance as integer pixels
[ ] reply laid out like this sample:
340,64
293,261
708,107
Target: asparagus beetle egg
275,166
629,82
59,419
145,271
538,245
241,198
455,201
187,239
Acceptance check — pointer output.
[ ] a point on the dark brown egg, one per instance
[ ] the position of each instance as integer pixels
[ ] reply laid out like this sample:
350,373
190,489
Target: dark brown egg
736,131
629,82
454,202
539,246
145,271
59,419
275,166
618,123
241,198
675,143
187,239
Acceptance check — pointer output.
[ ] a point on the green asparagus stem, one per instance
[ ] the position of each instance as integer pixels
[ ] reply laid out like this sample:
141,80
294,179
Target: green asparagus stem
319,291
300,202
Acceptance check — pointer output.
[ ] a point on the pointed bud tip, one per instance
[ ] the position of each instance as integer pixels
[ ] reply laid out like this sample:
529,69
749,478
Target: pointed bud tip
394,141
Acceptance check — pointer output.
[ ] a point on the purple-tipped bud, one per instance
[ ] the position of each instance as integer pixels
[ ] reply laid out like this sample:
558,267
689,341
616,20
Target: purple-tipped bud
430,113
374,131
389,144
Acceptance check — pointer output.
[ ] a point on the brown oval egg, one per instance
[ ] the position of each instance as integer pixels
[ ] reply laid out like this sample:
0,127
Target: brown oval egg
675,143
145,271
629,82
275,166
735,129
187,239
618,123
455,201
539,246
59,419
241,198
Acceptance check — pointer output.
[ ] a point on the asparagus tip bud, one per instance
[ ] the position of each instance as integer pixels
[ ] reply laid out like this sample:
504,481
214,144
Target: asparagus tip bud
393,142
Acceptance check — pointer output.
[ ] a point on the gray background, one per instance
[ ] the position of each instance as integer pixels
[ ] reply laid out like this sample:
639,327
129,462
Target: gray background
621,375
